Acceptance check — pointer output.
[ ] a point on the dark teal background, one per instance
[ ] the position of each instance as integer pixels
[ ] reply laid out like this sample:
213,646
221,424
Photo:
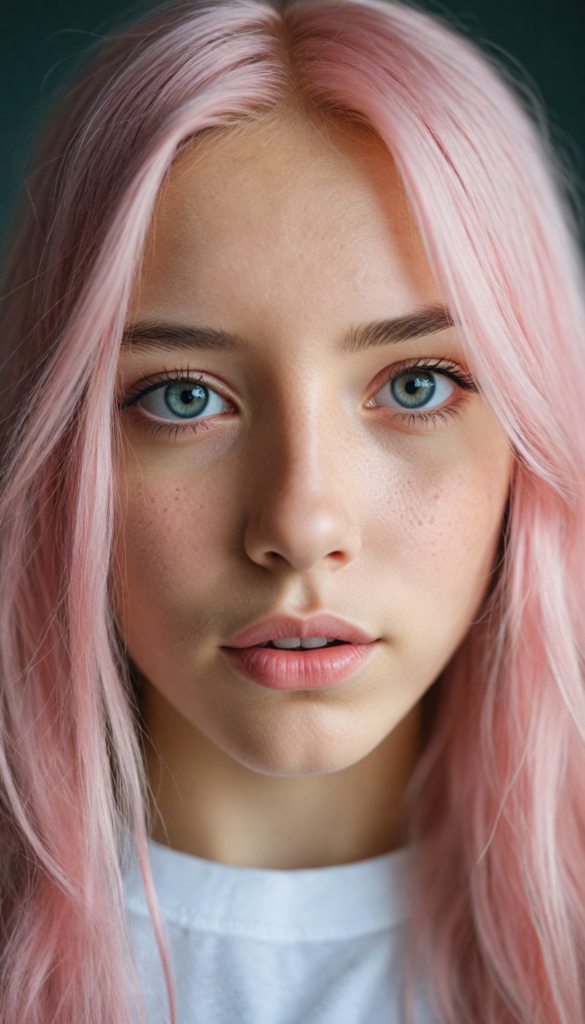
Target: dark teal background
41,39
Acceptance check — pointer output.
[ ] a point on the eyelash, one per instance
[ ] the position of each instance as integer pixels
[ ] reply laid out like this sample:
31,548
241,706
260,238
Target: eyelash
447,369
151,383
183,374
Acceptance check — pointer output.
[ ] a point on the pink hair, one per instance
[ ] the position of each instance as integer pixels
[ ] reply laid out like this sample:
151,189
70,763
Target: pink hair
498,804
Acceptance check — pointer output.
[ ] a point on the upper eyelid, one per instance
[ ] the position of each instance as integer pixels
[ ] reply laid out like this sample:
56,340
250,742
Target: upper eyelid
150,383
438,364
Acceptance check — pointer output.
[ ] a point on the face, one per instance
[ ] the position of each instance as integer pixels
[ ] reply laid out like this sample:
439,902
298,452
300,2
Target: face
310,488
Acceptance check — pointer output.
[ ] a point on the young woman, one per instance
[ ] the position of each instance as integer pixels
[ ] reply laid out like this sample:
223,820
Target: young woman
292,537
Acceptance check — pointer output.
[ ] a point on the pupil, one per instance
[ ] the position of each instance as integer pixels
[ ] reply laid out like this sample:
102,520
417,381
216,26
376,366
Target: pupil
186,401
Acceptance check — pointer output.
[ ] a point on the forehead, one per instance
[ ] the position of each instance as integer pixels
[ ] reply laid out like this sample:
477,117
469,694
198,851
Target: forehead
284,214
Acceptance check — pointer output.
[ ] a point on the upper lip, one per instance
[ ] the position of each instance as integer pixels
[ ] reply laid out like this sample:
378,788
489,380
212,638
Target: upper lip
321,624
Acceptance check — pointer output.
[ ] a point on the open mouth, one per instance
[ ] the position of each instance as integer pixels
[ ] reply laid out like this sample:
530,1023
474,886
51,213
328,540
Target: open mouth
275,654
299,644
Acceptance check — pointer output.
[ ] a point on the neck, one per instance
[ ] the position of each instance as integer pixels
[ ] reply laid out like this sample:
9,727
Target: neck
209,805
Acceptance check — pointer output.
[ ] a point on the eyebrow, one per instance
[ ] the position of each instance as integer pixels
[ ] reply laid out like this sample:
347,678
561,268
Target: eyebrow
426,320
154,334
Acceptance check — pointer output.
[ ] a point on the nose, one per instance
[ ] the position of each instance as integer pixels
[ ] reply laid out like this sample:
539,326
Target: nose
303,510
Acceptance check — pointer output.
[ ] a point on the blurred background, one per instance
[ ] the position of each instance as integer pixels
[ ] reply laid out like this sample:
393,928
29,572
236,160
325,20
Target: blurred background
41,41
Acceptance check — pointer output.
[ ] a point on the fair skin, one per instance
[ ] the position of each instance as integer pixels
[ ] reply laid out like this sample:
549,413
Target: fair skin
306,488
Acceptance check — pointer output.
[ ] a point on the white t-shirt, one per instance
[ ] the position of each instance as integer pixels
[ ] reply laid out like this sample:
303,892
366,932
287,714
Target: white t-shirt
254,946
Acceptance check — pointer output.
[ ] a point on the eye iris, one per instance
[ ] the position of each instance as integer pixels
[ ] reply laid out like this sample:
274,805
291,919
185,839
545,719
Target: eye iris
413,389
187,400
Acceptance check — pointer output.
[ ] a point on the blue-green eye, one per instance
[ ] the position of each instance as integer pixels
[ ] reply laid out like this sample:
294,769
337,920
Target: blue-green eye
415,389
182,400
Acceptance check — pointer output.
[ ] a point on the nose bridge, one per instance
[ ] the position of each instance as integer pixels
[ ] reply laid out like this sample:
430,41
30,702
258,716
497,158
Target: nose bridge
300,512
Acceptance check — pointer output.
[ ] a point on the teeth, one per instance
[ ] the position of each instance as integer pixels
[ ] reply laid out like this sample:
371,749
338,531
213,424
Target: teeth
291,643
287,643
296,643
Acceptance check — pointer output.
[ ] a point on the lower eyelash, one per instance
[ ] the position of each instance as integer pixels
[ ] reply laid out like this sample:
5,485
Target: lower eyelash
430,418
171,428
434,416
448,369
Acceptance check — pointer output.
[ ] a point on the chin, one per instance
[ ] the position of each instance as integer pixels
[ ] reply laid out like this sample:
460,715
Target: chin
303,746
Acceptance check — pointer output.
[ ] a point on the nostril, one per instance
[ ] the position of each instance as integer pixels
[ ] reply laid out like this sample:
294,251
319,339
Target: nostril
299,538
273,559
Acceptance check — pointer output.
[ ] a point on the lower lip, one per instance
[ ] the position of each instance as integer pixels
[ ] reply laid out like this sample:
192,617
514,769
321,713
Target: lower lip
318,669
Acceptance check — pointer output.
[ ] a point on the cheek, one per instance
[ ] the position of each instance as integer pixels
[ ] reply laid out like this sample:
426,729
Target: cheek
174,530
436,531
450,525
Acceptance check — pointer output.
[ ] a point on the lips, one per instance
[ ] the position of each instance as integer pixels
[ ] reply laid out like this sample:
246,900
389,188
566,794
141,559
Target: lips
280,626
305,669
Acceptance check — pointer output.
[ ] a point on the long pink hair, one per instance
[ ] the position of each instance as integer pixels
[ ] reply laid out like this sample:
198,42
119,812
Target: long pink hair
498,802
